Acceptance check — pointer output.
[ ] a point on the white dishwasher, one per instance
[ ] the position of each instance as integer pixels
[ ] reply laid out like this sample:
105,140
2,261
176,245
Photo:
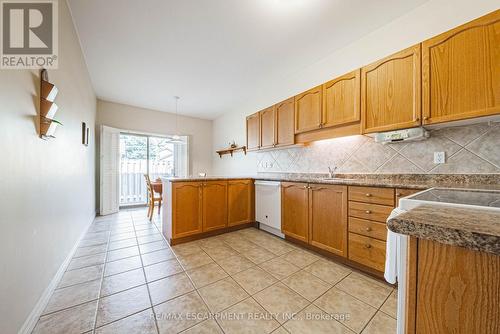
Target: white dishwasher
268,206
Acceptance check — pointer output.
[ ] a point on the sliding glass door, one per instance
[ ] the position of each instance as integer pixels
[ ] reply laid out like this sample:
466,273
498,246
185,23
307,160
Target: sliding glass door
152,155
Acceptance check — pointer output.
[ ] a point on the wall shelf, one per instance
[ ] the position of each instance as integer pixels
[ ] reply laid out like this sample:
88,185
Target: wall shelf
231,150
48,108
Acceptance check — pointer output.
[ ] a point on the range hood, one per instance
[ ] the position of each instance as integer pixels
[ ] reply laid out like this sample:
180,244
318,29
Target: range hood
414,134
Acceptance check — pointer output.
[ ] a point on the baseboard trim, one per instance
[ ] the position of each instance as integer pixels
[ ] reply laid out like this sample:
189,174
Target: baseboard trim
32,319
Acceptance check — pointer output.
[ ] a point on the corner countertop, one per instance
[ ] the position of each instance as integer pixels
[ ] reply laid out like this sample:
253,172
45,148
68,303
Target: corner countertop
407,181
476,229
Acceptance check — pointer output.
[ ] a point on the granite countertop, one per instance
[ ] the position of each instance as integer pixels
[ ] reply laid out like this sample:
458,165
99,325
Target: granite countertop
476,229
407,181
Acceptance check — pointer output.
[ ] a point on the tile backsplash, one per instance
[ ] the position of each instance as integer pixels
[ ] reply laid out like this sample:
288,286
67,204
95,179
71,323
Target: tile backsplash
469,149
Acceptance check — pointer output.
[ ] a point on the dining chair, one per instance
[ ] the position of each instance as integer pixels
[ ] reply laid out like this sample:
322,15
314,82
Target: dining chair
152,199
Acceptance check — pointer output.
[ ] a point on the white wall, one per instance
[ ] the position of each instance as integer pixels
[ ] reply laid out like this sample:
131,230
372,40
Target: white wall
430,19
127,117
46,187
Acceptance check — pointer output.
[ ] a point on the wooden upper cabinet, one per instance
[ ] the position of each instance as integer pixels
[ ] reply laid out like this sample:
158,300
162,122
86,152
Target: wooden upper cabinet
328,218
294,210
253,131
391,92
341,100
214,205
186,197
461,72
267,128
285,116
308,107
240,199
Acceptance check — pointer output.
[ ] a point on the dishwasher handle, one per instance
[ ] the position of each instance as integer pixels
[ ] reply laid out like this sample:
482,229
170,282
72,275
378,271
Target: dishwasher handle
268,183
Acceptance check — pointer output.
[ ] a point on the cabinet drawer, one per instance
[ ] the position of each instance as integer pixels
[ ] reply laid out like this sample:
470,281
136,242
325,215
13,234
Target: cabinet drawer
369,211
367,251
383,196
368,228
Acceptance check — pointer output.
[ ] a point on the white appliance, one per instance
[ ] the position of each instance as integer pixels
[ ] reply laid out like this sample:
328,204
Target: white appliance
413,134
454,197
268,206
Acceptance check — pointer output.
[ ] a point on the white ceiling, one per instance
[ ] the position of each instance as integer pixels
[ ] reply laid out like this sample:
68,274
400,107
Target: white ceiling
213,53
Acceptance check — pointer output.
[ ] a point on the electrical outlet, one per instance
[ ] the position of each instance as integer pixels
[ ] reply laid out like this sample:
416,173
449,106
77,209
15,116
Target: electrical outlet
439,157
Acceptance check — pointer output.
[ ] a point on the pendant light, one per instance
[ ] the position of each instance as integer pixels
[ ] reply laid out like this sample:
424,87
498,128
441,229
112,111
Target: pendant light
176,138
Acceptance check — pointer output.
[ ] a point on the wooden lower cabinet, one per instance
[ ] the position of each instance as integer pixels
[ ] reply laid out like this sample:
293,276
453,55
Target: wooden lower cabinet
315,214
328,218
197,209
214,206
294,210
452,290
186,209
240,202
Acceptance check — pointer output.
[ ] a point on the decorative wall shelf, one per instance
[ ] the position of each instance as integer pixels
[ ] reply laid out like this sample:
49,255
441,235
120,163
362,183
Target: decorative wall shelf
231,150
48,108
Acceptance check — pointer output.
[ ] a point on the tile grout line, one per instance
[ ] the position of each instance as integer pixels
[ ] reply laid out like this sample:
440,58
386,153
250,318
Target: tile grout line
100,286
147,285
252,295
198,293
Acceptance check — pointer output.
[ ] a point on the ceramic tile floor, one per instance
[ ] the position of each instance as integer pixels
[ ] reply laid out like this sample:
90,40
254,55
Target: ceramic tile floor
124,278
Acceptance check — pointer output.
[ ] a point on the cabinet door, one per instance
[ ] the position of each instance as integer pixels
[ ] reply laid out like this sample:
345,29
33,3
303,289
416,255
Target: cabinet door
285,116
214,205
294,210
186,208
267,127
253,131
390,92
240,201
341,100
461,72
328,218
308,110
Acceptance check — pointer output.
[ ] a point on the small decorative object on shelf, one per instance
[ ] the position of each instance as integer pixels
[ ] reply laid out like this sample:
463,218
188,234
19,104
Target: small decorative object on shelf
48,108
233,145
231,150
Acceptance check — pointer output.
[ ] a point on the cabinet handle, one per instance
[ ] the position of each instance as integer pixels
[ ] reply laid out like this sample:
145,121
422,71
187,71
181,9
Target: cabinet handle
368,195
398,194
426,118
368,229
305,187
368,212
417,119
368,246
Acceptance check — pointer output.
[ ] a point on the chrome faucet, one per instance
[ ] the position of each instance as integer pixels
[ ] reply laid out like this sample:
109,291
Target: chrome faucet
331,171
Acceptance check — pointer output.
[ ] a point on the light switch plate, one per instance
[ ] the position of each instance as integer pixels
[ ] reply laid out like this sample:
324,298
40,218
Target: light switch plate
439,157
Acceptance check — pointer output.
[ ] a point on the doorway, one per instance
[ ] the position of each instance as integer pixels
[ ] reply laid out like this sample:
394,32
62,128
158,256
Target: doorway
144,154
